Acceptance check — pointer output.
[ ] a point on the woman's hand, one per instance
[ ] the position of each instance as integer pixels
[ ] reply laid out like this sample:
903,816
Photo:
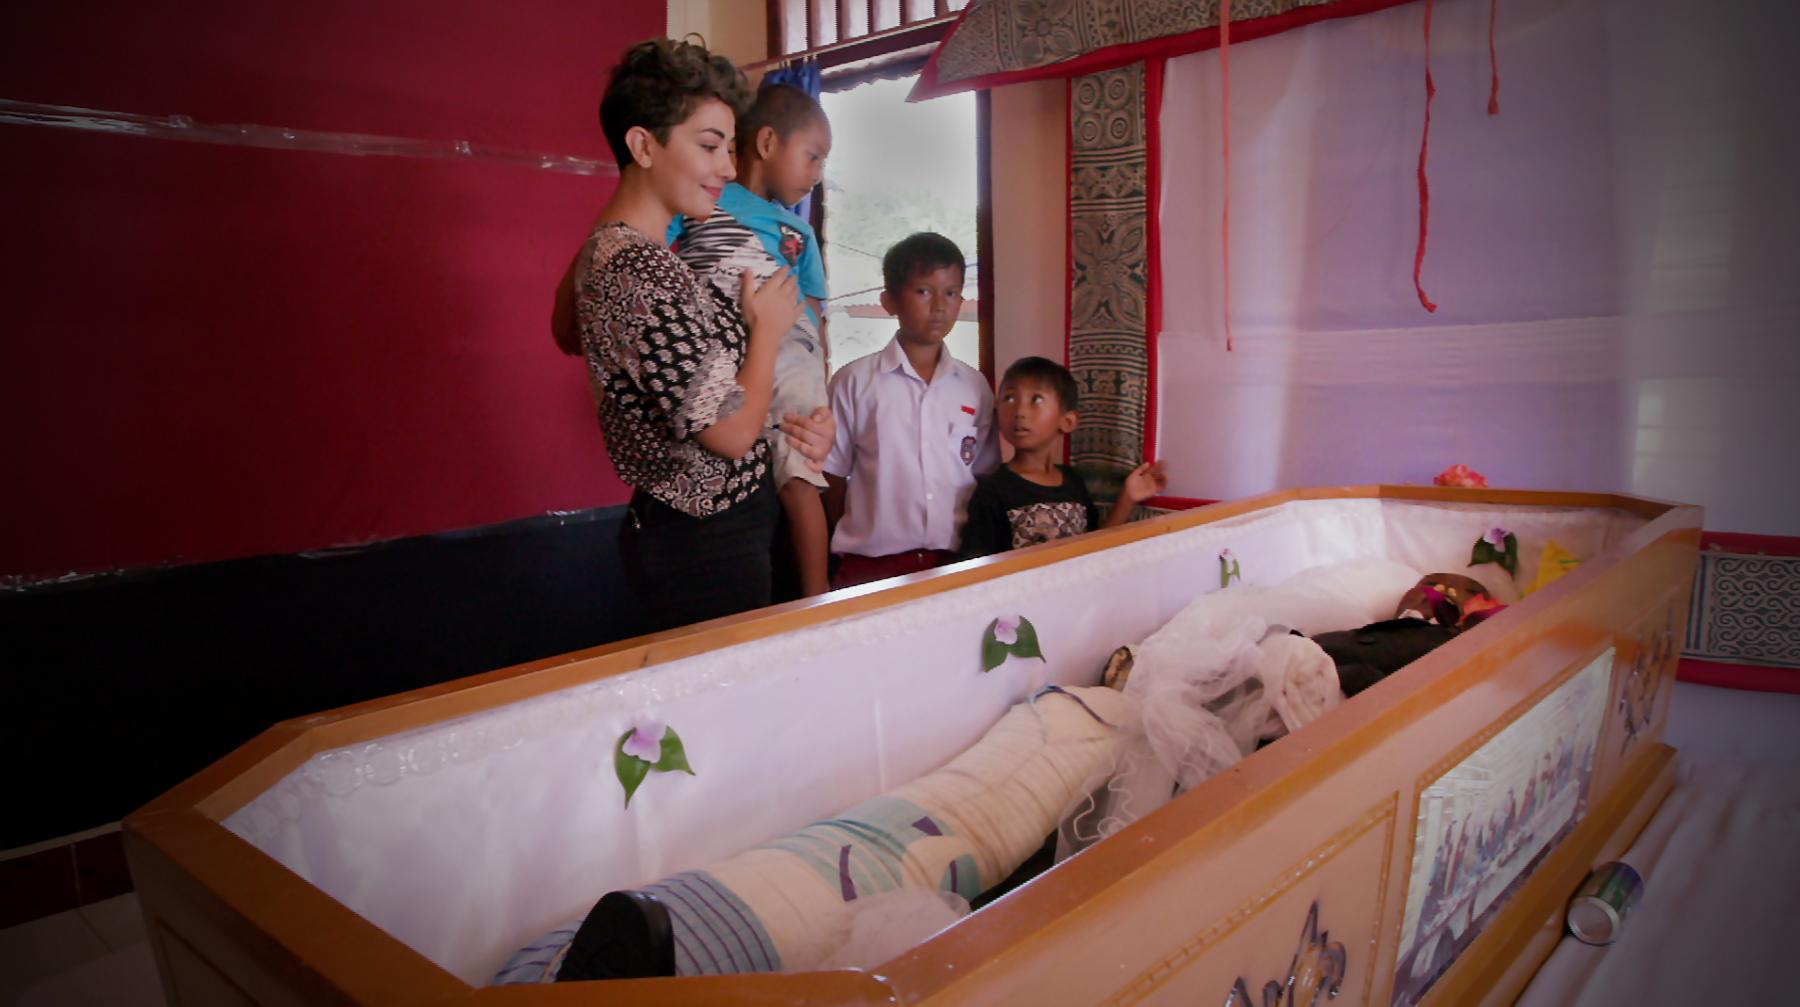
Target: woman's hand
774,307
811,435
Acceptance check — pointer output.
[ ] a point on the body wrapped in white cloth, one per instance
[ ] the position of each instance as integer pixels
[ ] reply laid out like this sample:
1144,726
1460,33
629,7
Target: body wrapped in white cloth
790,904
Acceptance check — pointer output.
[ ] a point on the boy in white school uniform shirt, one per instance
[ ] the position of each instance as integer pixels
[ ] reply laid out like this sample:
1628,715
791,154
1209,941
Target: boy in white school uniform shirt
915,427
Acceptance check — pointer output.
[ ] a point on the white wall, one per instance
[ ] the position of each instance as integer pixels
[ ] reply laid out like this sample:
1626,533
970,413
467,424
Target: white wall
1706,147
736,28
1030,142
1613,257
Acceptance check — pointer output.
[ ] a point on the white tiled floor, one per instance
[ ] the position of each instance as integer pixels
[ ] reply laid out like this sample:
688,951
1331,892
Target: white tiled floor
97,954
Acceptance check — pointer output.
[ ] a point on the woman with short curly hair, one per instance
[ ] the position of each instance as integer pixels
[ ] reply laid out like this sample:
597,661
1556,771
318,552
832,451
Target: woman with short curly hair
681,376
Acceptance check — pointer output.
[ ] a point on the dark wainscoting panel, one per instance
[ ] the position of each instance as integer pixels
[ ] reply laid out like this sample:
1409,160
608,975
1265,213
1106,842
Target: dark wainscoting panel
120,686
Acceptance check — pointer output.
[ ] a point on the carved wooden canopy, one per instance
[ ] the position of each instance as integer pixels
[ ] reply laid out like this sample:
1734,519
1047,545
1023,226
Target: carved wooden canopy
1006,41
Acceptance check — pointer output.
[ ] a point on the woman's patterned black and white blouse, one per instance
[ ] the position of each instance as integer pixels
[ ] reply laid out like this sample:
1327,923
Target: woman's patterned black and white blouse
663,351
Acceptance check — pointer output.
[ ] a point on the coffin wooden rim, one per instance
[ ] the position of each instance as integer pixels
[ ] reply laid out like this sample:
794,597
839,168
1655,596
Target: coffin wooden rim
212,900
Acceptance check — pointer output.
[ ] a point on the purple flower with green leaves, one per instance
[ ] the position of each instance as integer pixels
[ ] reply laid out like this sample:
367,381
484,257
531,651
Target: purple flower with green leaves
649,746
646,739
1008,636
1499,546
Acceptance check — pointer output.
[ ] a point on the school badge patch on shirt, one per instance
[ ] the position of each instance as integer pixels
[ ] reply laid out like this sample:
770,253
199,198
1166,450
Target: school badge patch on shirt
968,450
793,244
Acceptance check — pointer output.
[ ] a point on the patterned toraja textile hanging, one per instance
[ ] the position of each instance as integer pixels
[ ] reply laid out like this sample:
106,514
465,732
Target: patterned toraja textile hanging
1001,36
1109,271
1743,609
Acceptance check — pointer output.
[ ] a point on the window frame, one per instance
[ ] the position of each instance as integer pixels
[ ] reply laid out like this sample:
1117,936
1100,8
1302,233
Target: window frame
915,16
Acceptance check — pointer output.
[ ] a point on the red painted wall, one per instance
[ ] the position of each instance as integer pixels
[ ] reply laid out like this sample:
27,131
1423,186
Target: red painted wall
209,352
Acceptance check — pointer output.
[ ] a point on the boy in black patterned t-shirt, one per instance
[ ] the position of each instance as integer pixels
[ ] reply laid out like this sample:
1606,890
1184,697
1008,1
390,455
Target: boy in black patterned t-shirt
1032,498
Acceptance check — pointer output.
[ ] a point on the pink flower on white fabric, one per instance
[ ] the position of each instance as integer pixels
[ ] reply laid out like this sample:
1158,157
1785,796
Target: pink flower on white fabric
1227,555
646,740
1496,537
1006,629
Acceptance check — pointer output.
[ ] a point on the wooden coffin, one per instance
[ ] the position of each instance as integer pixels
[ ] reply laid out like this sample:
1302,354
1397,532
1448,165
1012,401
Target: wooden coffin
397,852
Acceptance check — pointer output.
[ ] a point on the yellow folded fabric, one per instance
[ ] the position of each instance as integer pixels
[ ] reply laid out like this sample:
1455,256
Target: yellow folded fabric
1555,562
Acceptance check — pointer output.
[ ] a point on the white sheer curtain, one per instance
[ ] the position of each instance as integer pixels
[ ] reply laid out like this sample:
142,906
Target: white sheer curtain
1612,257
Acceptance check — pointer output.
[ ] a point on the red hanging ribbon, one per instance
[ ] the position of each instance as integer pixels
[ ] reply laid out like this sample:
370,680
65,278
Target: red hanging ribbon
1225,143
1424,183
1493,60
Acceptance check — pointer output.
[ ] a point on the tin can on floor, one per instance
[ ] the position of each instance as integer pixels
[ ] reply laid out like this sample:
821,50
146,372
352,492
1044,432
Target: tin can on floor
1597,912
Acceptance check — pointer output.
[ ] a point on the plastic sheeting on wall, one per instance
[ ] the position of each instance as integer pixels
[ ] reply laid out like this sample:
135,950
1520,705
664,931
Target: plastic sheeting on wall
186,129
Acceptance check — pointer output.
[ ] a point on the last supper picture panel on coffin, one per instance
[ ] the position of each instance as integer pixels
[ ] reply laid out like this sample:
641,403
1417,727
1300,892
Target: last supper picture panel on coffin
1487,821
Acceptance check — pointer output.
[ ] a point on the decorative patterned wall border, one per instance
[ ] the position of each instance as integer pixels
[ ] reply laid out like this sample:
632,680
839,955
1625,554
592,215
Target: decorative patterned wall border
1745,609
1383,813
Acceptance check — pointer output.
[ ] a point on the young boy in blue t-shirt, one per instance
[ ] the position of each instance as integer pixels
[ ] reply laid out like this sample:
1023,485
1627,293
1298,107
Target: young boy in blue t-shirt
782,143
